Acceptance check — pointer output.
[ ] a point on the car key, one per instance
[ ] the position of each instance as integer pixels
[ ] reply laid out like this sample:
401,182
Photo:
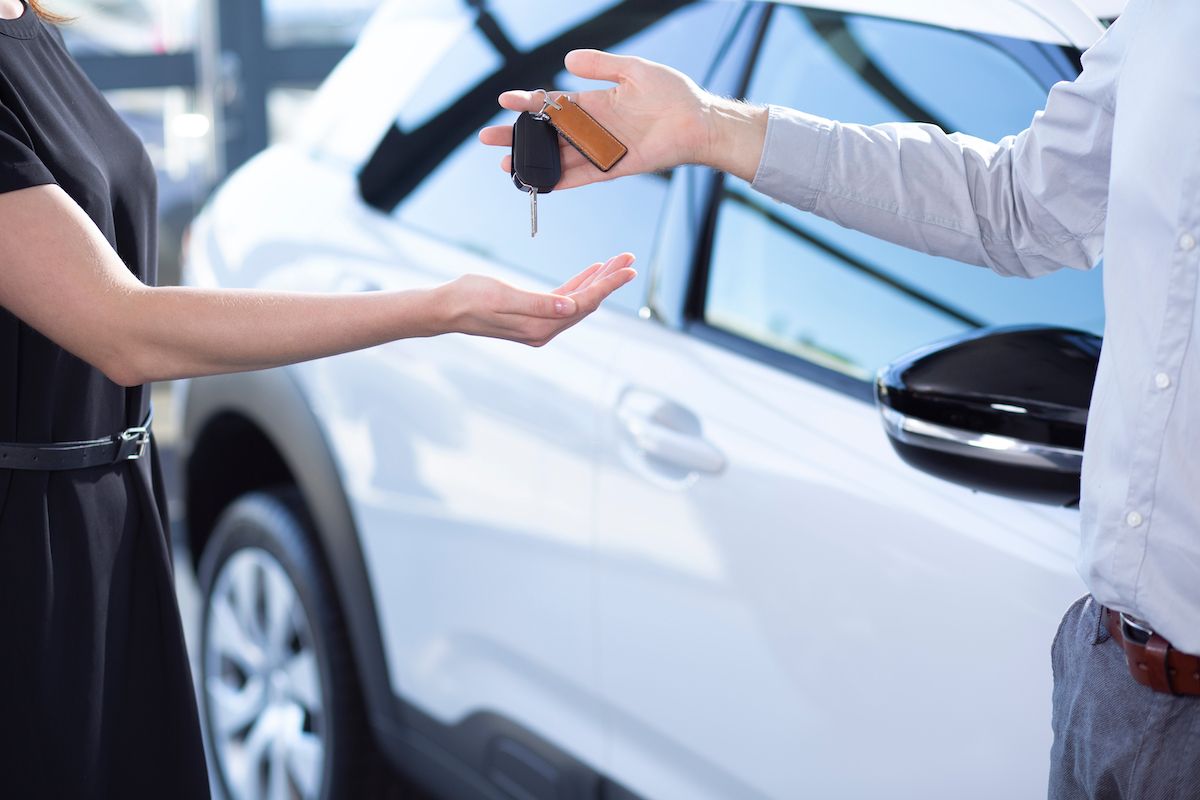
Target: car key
536,166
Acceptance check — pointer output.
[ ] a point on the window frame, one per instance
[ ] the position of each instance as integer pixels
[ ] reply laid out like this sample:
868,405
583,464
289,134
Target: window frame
693,321
402,160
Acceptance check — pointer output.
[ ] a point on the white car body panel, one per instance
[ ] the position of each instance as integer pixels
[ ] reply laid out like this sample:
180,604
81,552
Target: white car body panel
732,585
742,588
497,560
684,635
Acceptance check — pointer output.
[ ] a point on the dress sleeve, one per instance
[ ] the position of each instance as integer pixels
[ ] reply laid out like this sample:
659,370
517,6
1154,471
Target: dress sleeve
20,166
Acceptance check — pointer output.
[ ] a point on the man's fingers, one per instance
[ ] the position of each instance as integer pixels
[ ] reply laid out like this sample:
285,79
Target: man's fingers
598,65
521,100
498,135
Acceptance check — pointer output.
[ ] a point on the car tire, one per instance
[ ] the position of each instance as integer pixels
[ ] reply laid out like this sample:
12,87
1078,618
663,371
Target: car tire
278,685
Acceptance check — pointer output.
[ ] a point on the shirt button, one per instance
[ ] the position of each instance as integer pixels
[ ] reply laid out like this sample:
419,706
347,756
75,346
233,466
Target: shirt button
1187,242
1162,380
1133,519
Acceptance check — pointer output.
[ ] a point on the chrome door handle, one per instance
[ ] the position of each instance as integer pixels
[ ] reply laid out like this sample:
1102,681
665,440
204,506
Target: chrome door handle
668,432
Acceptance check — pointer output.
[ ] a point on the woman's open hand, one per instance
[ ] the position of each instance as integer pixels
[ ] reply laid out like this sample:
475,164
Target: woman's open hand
483,306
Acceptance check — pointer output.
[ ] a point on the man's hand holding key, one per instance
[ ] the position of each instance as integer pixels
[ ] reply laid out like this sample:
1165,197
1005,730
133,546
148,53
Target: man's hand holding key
658,113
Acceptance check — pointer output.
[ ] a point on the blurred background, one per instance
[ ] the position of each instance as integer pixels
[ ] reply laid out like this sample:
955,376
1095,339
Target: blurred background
207,83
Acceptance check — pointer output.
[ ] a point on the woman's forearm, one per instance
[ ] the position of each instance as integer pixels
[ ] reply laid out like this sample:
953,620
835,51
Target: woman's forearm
176,332
60,276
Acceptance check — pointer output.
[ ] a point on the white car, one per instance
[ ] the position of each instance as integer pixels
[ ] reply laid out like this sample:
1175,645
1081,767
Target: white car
674,554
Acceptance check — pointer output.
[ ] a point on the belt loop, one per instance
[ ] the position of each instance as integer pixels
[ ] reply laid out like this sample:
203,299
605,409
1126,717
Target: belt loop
1154,664
1101,634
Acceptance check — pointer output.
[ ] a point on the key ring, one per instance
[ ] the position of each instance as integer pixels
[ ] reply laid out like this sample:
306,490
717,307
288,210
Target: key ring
546,103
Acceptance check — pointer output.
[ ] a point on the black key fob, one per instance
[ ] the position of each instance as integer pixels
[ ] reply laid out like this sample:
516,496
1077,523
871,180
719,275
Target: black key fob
535,155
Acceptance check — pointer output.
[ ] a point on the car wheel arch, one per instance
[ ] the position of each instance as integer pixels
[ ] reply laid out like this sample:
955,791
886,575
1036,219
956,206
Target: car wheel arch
255,430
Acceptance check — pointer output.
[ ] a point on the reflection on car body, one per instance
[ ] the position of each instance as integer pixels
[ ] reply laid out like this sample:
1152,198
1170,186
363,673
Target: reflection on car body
673,555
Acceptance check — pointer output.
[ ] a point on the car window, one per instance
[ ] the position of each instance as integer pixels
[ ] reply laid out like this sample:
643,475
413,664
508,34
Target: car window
467,200
528,23
465,57
839,298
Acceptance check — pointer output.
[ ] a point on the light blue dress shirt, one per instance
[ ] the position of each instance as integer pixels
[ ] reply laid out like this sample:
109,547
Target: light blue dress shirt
1110,168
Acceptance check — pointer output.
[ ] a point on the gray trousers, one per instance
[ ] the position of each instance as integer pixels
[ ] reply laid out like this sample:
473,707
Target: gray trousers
1113,737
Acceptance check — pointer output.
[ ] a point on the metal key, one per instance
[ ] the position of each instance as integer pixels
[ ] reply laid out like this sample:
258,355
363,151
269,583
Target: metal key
536,167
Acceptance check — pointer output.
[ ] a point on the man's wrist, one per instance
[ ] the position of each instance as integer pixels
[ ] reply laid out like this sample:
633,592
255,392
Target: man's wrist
736,133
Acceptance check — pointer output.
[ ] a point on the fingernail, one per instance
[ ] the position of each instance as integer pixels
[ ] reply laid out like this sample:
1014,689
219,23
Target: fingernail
564,307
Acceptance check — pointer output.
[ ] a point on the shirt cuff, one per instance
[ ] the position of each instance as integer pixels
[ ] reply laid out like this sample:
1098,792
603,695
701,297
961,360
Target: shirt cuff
795,158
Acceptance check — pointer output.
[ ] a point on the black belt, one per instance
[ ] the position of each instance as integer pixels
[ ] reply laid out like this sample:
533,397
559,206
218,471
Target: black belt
128,445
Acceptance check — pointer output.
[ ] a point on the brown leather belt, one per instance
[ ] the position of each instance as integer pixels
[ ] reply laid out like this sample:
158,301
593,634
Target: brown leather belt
1152,660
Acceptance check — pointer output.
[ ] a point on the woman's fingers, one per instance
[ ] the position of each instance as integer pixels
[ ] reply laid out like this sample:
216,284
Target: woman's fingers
612,265
596,272
592,286
534,327
589,299
511,301
615,274
578,280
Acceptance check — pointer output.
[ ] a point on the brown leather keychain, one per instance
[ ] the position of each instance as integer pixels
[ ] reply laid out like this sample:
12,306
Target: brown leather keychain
582,131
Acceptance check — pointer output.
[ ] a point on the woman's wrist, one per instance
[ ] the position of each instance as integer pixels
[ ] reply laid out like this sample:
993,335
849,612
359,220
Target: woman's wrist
736,132
442,309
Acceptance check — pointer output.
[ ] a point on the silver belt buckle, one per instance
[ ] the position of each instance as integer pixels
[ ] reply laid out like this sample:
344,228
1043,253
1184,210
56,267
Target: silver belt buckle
135,441
1135,629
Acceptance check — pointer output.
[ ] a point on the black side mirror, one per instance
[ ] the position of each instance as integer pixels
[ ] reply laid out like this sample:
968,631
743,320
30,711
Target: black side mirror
1000,410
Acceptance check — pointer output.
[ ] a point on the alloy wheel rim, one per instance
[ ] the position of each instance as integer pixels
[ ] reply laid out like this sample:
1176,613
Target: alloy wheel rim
262,683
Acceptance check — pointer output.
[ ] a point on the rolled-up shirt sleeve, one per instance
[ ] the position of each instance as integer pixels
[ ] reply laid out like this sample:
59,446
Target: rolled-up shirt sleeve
1026,205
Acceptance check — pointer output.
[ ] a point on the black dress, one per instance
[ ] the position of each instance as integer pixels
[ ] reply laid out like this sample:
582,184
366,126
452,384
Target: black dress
96,697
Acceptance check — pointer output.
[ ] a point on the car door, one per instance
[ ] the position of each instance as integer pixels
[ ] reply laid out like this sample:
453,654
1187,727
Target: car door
469,461
786,610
